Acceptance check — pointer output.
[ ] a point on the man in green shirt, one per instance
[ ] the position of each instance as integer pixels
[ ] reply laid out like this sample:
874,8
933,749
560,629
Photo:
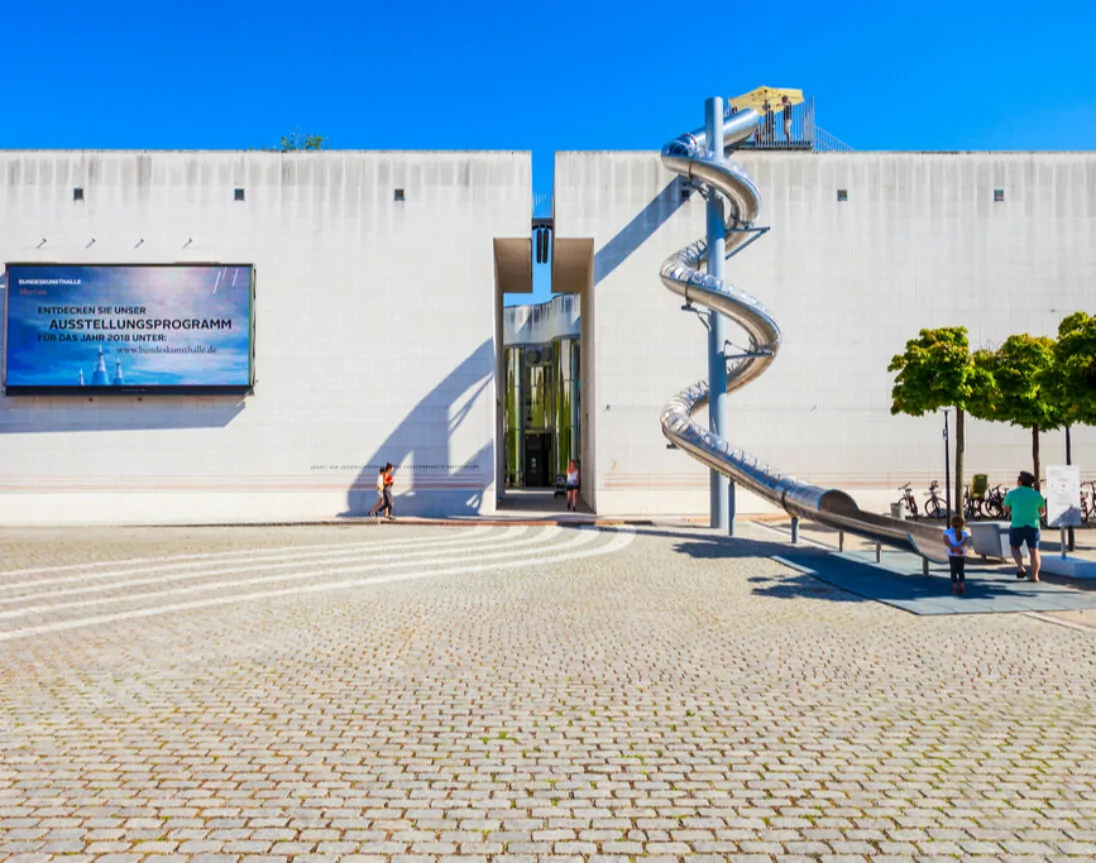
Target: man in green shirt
1024,505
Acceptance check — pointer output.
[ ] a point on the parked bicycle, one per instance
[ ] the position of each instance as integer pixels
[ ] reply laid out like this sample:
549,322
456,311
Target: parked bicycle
908,499
935,507
972,506
995,503
1088,506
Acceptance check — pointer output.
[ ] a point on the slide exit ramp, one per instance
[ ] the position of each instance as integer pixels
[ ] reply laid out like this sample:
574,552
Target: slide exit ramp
714,173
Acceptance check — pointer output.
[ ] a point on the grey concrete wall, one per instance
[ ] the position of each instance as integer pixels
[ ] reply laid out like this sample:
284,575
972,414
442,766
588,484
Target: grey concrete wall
919,243
359,356
588,396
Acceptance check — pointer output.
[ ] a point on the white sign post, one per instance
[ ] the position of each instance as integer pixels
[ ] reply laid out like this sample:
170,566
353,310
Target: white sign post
1063,494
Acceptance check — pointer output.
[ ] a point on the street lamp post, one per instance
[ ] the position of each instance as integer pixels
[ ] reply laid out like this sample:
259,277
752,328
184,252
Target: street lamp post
1069,460
947,470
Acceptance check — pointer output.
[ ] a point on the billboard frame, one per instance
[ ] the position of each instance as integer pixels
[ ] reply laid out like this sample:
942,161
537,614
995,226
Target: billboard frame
134,389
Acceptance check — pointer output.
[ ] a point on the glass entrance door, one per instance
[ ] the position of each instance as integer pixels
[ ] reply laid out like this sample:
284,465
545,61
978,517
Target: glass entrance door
538,460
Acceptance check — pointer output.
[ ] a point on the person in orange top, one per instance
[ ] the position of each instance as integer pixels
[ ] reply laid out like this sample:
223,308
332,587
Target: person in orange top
380,504
389,481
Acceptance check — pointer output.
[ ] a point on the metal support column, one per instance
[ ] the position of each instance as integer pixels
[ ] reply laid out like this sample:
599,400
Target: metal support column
795,529
722,490
947,477
1069,460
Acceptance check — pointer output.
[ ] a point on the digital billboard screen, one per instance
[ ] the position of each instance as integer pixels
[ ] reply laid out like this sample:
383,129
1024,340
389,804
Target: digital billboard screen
128,329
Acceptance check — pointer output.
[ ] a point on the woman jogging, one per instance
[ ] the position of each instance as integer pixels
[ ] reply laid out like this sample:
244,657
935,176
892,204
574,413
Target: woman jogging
374,513
956,539
389,481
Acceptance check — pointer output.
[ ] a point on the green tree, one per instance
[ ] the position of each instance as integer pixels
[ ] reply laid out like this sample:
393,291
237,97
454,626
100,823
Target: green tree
298,141
937,371
1018,370
1070,383
985,400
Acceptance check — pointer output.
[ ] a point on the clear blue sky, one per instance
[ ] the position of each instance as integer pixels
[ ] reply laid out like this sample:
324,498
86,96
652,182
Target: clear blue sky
541,76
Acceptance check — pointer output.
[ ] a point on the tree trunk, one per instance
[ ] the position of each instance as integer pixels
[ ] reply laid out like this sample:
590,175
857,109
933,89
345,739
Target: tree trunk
1035,454
959,447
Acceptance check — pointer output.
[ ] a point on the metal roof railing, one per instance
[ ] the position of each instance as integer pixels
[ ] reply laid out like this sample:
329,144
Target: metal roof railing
826,143
793,129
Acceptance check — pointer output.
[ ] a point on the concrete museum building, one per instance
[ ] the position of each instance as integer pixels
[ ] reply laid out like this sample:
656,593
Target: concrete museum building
244,336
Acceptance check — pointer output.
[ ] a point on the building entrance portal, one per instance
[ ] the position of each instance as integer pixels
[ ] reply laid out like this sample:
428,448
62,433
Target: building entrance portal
542,402
538,460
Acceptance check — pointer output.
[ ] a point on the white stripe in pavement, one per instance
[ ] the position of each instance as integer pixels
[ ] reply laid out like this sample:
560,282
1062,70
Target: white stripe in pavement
405,559
196,556
550,533
509,549
1057,621
343,553
223,557
622,539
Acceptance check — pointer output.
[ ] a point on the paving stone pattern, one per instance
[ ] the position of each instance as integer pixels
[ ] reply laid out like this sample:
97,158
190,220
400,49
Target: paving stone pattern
678,697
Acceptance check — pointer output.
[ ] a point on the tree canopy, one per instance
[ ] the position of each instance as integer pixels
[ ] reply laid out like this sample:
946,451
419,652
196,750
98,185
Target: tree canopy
985,400
1030,381
1017,393
1071,382
935,371
1019,368
298,141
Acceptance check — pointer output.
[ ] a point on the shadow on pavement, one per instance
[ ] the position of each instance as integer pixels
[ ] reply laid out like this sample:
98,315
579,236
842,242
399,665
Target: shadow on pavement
897,581
782,584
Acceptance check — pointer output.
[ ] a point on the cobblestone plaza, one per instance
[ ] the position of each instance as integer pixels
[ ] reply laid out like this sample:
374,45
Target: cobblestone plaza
518,693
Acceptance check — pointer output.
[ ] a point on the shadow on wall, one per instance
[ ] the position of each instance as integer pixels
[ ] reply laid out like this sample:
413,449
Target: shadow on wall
639,230
421,442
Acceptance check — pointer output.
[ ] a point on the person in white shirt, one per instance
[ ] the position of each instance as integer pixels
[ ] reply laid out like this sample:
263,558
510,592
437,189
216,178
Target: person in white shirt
957,539
571,486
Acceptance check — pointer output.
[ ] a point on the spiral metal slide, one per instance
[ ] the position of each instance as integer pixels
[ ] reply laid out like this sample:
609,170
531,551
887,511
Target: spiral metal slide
689,157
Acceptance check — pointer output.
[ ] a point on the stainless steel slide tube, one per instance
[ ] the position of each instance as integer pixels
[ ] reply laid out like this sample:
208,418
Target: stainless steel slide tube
681,273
